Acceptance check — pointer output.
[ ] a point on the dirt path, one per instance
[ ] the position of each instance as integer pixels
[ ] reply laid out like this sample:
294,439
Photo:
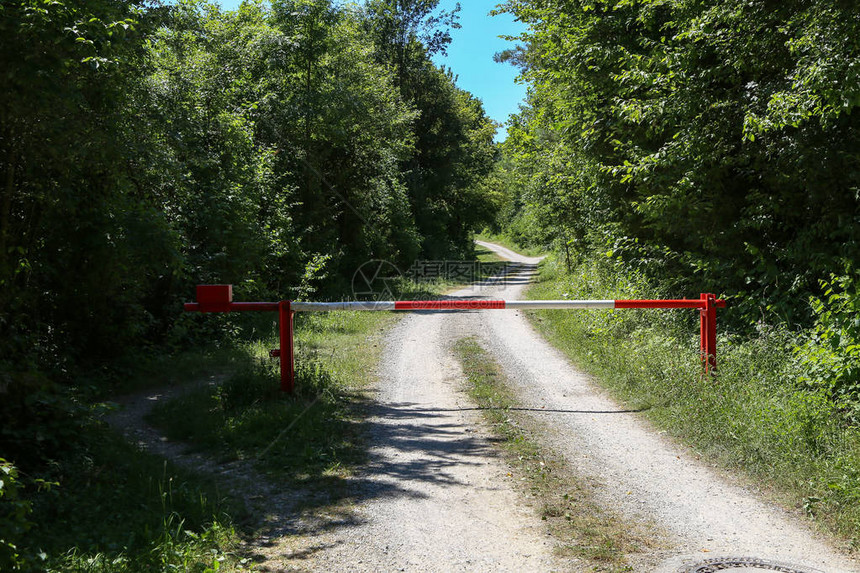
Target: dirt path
275,509
642,474
435,495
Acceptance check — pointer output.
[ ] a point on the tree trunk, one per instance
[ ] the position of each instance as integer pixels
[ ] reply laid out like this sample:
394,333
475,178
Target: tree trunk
567,254
6,207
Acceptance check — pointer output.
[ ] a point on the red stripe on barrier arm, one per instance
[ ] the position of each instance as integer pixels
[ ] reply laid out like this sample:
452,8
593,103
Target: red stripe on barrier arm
448,304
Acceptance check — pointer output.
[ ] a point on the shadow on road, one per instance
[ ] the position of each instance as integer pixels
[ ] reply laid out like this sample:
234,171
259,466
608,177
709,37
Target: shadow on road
412,447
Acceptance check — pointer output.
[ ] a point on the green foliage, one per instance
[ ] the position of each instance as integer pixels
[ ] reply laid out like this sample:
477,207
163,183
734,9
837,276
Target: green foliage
40,419
105,505
711,145
830,356
190,145
453,147
64,213
15,523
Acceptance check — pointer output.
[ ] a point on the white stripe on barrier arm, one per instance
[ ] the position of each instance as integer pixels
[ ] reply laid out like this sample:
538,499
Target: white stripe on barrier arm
558,304
354,305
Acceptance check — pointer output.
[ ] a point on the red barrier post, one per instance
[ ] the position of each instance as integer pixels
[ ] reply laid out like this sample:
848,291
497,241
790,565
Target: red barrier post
285,352
708,342
214,298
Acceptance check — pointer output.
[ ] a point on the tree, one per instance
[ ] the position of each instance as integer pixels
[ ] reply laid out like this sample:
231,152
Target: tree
67,212
453,147
701,141
408,31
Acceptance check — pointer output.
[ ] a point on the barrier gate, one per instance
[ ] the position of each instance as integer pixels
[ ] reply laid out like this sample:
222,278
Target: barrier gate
219,298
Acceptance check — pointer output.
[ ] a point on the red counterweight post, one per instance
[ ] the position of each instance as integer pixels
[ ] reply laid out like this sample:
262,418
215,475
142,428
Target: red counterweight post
708,314
285,354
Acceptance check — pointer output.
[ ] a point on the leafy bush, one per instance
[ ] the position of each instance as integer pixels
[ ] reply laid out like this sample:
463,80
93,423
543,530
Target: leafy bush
40,419
830,355
14,523
718,136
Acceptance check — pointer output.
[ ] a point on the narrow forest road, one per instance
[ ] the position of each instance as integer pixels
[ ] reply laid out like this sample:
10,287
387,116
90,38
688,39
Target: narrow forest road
642,474
437,498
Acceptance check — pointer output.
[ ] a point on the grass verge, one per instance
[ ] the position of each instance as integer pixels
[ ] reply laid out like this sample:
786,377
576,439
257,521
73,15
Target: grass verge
115,508
585,530
755,416
312,437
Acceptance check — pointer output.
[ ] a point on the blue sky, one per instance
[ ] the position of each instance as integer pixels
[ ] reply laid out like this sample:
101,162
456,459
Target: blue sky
470,56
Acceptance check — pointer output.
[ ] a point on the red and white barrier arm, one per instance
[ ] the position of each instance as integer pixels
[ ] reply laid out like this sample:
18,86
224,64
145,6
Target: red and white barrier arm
450,305
453,304
219,298
498,304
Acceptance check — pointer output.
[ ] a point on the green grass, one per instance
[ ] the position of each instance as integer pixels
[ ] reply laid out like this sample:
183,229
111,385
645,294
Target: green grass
312,437
754,416
115,508
586,530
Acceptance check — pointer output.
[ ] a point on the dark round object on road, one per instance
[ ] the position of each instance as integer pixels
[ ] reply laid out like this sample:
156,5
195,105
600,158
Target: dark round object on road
742,564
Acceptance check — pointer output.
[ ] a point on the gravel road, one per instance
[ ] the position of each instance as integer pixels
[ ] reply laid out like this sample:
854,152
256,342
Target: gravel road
642,474
436,496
